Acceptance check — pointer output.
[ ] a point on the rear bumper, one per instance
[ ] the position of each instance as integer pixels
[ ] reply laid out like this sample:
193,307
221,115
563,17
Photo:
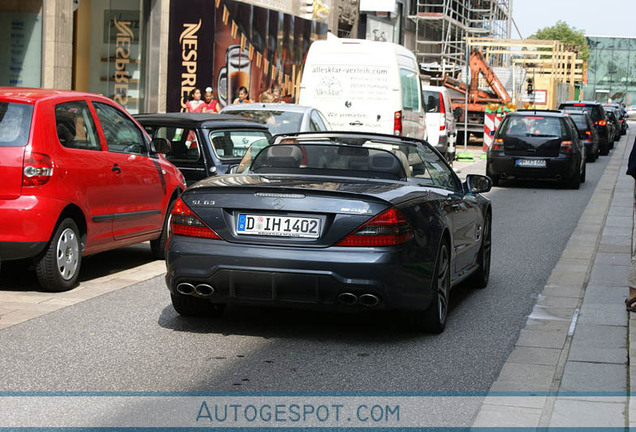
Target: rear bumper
561,167
20,250
304,277
27,225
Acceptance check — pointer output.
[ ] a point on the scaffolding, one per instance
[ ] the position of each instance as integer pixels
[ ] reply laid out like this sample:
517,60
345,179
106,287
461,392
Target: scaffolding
442,27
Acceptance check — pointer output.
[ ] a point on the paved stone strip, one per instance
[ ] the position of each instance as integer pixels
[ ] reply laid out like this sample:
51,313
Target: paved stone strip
20,306
575,339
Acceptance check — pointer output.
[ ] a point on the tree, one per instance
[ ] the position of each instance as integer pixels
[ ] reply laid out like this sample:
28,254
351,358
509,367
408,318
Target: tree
562,32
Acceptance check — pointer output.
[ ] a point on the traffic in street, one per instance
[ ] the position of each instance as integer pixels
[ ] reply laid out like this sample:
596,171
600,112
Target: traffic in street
133,340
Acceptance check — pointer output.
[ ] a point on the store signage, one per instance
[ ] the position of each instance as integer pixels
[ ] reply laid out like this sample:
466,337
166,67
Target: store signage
123,40
190,46
378,6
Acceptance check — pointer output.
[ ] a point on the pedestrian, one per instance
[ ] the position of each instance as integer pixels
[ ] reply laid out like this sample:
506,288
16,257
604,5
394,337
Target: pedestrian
243,96
195,104
630,302
266,97
210,104
276,93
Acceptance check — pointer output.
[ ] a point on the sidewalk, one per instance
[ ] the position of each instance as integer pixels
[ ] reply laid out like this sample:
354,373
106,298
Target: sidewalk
573,354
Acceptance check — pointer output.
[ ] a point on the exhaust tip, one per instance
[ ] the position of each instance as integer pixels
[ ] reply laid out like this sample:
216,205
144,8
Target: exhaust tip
348,298
204,290
185,288
369,300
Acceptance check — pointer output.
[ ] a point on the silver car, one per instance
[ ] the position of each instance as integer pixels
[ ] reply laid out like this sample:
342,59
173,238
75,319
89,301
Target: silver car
282,118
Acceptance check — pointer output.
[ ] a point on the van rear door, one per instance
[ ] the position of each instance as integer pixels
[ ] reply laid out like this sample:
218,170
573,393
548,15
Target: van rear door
355,88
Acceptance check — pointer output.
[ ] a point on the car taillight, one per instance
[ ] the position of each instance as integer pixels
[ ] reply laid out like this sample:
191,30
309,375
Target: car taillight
442,108
497,144
37,169
389,228
566,146
601,123
589,133
442,127
184,222
397,123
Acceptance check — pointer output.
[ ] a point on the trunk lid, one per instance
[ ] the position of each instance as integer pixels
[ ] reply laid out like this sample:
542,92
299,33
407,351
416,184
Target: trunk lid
539,146
334,207
11,159
15,125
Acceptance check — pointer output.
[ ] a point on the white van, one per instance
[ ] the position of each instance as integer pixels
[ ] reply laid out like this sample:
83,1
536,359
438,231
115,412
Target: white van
440,121
365,86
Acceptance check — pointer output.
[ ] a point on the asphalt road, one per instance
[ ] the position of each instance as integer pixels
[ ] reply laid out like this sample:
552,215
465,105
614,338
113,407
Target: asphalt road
133,340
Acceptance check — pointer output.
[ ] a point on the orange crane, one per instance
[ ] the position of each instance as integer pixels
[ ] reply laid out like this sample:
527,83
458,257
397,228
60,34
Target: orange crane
477,99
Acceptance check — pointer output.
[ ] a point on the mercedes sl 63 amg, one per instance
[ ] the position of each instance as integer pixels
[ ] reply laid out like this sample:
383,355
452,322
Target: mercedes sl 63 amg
335,220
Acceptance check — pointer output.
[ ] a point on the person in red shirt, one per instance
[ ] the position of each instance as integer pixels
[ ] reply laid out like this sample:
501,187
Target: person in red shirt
195,104
210,104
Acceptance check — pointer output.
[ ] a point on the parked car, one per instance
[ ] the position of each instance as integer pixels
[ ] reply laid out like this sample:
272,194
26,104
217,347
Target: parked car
587,133
204,144
440,121
537,144
365,86
281,118
620,114
596,111
338,221
79,176
612,123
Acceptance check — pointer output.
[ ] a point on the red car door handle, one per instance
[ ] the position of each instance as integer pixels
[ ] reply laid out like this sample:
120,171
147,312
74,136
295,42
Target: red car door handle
116,169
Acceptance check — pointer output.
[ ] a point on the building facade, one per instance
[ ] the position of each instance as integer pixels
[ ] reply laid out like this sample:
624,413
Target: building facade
611,73
146,53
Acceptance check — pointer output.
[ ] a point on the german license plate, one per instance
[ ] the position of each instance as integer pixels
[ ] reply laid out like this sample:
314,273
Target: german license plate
280,226
530,163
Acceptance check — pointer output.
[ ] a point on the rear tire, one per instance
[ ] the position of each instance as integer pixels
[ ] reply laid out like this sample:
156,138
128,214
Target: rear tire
58,267
495,180
583,173
480,278
575,182
158,246
433,319
193,306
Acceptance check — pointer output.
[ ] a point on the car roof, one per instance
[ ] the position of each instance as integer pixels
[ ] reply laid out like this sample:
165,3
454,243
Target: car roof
196,120
581,102
258,106
346,137
543,113
31,95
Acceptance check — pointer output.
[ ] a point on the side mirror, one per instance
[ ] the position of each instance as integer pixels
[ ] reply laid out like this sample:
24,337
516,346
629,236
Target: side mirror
458,112
476,183
161,145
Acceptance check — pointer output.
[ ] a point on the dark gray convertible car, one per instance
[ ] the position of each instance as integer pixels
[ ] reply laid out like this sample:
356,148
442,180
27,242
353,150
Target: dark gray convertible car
336,220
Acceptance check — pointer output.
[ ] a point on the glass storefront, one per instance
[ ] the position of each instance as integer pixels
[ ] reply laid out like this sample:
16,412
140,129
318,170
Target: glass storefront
611,73
20,44
109,50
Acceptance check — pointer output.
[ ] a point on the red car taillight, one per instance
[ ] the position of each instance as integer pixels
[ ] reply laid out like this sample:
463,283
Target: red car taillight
389,228
497,144
566,146
37,169
601,123
184,222
442,107
397,123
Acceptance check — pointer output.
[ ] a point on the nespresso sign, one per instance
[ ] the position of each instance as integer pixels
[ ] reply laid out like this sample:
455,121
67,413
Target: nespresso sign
190,49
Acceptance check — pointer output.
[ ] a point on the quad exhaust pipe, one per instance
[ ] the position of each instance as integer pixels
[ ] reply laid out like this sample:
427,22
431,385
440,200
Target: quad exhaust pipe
203,290
350,299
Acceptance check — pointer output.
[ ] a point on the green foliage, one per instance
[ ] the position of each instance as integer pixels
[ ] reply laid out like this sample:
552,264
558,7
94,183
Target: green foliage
562,32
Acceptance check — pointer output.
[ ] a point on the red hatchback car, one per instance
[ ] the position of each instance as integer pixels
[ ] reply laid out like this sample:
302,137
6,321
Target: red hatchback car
78,175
